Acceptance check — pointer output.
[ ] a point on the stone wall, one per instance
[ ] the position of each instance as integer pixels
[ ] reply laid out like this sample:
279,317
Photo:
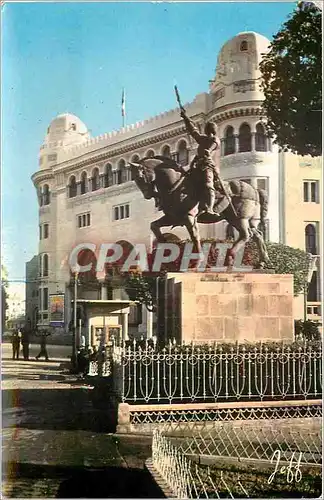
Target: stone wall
228,307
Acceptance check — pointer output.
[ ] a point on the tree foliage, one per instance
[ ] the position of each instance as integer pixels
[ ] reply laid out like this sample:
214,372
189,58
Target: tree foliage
292,83
4,296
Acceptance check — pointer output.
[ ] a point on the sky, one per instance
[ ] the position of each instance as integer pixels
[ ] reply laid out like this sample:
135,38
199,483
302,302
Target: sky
77,57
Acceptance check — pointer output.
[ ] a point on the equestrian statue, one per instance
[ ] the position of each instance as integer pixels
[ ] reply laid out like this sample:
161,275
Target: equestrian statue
197,194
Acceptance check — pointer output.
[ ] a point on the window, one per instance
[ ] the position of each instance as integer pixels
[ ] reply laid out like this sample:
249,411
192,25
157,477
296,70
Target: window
183,155
45,231
229,143
311,191
248,181
107,178
45,265
263,184
166,152
45,299
73,126
84,183
95,180
244,46
121,212
311,239
40,232
52,157
84,220
150,154
260,138
46,195
245,142
313,294
72,187
120,175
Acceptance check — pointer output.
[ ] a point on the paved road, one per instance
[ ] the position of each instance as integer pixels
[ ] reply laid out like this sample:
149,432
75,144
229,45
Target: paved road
57,352
57,444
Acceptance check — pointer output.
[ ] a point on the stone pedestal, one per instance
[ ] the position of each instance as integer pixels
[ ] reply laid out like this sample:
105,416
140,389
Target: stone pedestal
226,307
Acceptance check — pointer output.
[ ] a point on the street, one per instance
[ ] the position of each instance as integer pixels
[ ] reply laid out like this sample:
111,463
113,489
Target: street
57,443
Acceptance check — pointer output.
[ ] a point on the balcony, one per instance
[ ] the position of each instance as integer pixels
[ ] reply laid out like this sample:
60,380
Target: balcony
314,312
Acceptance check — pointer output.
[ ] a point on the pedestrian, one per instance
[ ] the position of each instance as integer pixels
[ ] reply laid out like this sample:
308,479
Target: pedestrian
25,343
43,349
15,341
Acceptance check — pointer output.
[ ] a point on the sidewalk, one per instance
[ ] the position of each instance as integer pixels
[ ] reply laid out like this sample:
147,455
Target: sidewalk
54,439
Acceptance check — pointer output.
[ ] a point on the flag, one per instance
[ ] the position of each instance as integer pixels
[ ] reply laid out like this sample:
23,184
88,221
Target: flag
123,103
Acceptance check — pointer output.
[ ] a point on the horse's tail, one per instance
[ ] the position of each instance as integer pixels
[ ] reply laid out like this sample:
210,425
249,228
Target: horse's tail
263,197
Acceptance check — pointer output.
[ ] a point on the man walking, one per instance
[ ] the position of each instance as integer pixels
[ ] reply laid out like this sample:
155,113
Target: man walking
43,349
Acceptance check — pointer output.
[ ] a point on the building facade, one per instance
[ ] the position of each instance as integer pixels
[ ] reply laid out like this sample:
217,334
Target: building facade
32,291
86,193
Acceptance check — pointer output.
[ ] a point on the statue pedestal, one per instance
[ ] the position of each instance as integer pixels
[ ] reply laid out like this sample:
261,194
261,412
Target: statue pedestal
226,307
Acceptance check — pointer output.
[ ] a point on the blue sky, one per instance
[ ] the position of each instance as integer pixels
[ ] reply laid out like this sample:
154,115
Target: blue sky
76,57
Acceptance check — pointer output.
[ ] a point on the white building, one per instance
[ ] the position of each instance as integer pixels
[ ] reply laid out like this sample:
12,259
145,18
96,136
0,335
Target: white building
85,189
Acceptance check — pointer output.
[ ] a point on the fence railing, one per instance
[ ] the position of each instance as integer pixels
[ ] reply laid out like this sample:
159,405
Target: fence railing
215,373
191,478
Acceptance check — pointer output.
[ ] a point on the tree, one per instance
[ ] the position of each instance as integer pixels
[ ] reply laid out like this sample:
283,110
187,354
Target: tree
4,296
292,82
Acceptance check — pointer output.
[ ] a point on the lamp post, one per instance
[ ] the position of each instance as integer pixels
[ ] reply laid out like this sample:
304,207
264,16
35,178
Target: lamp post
75,343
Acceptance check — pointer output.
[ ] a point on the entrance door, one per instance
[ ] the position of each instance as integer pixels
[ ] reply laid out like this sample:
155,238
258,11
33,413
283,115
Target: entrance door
114,334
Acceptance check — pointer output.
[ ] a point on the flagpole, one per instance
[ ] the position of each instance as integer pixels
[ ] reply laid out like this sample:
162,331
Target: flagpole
123,108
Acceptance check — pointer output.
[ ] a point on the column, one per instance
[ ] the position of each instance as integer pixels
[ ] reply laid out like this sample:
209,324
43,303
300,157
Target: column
237,144
124,322
104,295
253,141
222,147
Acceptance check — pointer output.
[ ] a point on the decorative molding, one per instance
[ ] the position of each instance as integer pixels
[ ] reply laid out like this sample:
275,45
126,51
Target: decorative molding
102,194
251,158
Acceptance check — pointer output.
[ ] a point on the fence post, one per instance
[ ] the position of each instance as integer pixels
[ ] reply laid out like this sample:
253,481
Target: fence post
123,418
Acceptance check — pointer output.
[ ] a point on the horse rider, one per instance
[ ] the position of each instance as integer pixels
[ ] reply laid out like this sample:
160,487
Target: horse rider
207,143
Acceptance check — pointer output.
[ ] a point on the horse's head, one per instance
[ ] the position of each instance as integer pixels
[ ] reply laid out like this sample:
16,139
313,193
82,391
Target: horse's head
142,178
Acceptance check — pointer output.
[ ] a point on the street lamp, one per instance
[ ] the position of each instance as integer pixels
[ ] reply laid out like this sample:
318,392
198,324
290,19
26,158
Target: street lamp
75,339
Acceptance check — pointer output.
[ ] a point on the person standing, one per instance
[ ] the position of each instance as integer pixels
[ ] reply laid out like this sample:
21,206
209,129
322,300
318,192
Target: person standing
25,343
15,341
43,348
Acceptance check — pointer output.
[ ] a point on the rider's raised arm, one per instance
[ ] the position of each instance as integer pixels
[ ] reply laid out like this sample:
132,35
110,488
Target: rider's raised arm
191,128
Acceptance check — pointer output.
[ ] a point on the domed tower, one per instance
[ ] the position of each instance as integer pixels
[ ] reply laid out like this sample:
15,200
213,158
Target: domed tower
65,130
236,97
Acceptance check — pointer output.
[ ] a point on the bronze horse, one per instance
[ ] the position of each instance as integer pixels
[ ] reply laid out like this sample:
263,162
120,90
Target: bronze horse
179,199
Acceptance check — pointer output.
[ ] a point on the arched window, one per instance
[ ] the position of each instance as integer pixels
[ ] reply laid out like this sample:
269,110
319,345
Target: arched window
260,138
84,183
95,179
46,195
135,159
40,196
45,265
150,154
72,187
245,138
243,46
120,173
310,239
40,265
229,142
166,152
312,295
183,154
107,178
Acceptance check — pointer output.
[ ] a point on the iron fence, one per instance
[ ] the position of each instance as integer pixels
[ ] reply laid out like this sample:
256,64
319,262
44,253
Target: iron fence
215,373
186,476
